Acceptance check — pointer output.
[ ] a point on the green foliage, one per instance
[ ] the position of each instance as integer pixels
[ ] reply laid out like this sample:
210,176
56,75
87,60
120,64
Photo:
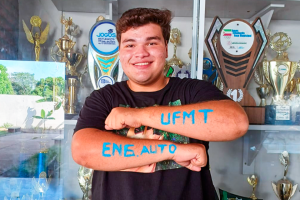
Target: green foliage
49,86
5,84
44,117
22,82
6,125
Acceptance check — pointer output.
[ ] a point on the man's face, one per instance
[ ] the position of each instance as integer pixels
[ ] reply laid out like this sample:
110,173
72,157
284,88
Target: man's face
143,51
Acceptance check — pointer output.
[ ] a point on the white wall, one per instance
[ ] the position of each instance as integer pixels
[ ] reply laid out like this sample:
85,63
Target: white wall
19,109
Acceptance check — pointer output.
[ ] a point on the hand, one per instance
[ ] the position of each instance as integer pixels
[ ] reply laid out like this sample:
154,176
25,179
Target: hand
192,156
120,118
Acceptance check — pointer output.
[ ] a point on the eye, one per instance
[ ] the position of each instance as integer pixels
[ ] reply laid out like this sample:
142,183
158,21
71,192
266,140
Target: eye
129,46
152,43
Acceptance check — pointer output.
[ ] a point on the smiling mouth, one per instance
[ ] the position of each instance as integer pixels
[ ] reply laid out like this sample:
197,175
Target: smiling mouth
141,64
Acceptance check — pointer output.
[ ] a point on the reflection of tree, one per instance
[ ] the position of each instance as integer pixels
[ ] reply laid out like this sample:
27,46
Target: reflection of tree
49,87
5,84
22,82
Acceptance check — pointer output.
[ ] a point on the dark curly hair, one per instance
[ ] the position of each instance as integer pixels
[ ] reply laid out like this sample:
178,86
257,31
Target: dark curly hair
137,17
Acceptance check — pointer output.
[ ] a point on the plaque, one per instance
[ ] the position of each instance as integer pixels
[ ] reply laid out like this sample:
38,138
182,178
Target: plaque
236,48
103,53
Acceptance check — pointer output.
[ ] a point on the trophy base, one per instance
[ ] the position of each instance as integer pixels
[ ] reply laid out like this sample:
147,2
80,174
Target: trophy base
275,115
71,116
256,114
297,120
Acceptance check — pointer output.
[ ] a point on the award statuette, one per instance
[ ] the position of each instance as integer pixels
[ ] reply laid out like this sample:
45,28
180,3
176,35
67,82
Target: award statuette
36,38
236,48
85,176
175,64
284,189
252,180
103,53
72,59
264,89
279,72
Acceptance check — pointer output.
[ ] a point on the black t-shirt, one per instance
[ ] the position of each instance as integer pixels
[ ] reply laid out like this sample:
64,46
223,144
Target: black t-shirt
178,183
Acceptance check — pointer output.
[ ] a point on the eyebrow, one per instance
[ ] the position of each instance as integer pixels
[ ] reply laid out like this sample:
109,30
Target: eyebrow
147,39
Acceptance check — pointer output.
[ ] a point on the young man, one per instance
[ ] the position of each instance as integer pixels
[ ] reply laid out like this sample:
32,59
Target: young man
170,122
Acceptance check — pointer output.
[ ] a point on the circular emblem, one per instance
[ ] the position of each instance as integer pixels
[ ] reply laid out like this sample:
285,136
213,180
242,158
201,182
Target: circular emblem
233,94
282,69
280,42
103,37
237,37
105,80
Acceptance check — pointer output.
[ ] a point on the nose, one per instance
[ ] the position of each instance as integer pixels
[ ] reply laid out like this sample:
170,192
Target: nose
141,51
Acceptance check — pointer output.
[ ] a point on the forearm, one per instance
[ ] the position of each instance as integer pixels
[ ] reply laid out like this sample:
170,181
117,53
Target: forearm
103,150
209,121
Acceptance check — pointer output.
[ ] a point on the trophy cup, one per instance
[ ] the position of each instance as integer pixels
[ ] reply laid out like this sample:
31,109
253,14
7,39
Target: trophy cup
175,64
103,54
253,180
279,72
263,90
289,89
236,48
85,176
284,189
36,38
72,59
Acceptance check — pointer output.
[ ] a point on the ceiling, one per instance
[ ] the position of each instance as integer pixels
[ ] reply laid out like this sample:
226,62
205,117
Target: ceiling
184,8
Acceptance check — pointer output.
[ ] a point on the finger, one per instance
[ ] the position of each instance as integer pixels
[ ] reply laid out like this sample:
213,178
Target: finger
108,128
193,167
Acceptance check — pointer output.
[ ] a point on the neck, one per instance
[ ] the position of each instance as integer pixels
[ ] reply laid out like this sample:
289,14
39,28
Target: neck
152,87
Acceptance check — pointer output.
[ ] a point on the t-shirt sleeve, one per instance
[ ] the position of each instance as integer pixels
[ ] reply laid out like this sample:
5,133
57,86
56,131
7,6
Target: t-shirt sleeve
94,111
201,91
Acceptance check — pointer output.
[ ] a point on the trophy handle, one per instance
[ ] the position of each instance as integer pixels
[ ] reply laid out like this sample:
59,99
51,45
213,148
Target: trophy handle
85,50
275,189
293,70
294,190
266,70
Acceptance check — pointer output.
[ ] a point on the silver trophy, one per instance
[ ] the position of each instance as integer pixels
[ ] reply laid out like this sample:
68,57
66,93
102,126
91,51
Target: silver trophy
284,189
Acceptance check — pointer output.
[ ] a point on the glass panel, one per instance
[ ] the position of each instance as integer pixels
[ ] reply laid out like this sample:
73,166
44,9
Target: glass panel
32,125
270,97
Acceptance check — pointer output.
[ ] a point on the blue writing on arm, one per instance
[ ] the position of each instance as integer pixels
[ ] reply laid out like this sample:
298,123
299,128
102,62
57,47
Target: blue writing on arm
185,114
161,146
205,111
170,148
116,147
126,149
153,151
145,150
105,148
162,119
175,116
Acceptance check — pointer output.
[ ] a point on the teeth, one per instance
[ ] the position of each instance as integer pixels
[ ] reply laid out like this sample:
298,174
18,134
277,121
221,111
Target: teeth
142,63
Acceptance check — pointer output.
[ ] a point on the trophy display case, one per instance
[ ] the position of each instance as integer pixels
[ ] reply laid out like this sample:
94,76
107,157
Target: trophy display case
248,49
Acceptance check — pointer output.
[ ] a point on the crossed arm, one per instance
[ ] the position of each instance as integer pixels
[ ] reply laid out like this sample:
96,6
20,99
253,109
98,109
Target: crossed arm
225,121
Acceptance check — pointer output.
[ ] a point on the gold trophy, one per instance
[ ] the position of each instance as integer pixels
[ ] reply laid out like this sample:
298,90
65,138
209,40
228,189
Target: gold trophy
36,38
253,180
289,89
279,72
174,62
284,189
263,90
72,59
